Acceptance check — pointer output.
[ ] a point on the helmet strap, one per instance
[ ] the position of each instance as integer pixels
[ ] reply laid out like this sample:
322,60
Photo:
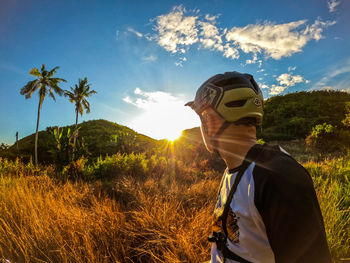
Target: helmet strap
215,139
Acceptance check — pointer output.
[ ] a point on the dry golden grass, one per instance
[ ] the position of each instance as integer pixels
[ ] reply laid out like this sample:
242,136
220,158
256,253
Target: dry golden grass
128,220
44,221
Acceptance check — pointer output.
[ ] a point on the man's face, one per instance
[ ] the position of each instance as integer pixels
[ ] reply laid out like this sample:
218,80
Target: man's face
211,123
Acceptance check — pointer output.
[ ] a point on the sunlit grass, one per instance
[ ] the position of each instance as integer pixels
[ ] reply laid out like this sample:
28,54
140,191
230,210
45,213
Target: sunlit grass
159,218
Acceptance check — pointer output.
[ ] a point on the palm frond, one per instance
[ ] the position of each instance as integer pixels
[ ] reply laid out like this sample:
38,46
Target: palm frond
53,85
90,92
52,72
78,95
42,94
51,94
35,72
69,94
29,88
86,105
81,110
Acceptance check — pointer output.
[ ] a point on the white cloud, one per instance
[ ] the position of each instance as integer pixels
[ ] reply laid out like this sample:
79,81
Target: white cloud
252,61
263,86
179,29
332,4
230,52
289,80
179,63
292,68
127,99
163,114
276,40
150,58
132,30
211,18
285,81
176,30
275,90
209,34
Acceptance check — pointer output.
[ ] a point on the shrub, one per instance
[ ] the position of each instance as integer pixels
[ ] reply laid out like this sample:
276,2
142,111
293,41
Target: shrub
120,165
326,138
75,170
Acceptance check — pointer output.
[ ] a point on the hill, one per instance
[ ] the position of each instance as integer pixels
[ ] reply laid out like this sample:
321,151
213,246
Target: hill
293,115
100,137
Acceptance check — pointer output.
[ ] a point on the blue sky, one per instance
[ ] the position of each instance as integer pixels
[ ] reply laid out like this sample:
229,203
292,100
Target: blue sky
146,58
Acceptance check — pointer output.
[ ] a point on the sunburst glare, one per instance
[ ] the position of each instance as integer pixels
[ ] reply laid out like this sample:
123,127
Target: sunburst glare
162,116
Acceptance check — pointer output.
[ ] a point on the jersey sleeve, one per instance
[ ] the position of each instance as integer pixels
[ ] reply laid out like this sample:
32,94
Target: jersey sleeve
287,202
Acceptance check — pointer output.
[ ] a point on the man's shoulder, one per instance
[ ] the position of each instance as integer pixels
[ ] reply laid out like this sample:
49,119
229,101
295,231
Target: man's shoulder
275,164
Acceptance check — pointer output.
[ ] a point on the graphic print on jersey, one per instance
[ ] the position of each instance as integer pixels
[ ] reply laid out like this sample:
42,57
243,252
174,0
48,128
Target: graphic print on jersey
232,227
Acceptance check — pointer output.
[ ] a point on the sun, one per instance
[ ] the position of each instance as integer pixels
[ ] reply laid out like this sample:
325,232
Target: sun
173,136
162,115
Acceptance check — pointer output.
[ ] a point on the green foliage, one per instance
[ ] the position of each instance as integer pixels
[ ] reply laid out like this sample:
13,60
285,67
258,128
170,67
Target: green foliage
346,121
326,138
261,141
125,141
109,168
78,96
17,168
293,115
95,139
65,146
76,170
121,165
44,82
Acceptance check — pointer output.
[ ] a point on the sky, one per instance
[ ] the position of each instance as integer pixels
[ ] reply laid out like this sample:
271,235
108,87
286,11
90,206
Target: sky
146,59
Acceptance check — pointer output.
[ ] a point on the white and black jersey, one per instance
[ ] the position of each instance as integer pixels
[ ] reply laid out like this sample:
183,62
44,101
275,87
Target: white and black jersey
274,213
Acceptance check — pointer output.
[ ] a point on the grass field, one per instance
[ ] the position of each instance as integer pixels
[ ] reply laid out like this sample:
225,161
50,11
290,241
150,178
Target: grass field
161,218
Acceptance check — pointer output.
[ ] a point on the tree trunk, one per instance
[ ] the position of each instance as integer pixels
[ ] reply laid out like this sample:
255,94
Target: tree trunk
75,138
36,134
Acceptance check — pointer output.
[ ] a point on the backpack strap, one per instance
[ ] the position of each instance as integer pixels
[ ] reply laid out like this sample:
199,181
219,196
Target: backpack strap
251,156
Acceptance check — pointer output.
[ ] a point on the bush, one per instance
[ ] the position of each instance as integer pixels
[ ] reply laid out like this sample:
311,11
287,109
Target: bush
75,170
120,165
326,138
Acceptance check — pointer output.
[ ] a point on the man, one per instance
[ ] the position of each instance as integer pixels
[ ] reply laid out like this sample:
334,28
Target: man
267,208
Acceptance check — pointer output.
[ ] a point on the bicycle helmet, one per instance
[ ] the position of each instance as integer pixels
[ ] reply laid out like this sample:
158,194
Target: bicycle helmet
232,95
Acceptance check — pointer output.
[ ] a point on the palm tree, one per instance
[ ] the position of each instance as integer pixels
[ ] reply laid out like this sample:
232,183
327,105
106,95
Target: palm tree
78,96
47,85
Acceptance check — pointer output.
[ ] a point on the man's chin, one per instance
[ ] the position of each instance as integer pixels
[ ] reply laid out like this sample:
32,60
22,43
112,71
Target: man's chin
209,148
